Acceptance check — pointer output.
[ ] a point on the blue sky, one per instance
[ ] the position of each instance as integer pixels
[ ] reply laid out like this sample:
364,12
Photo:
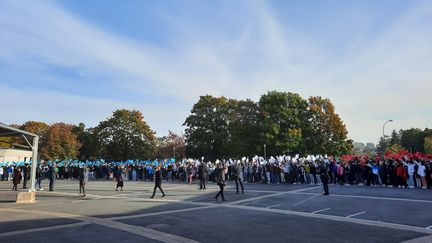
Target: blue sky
77,61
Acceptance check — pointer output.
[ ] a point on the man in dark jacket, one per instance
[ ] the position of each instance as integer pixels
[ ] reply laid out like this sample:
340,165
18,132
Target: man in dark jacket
51,176
220,180
26,175
158,181
202,174
323,170
237,177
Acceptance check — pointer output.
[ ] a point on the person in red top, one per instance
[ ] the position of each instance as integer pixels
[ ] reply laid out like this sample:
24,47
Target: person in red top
400,174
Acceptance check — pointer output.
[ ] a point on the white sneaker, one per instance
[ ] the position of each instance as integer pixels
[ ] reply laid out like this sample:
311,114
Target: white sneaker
41,189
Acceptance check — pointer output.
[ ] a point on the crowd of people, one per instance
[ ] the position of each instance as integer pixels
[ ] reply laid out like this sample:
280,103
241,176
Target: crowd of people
404,172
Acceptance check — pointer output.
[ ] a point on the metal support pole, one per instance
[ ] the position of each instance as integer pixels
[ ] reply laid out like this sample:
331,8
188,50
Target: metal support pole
34,163
265,152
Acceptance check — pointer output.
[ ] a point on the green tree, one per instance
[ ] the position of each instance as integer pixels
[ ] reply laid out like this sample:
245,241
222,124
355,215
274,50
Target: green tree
244,128
125,136
61,143
328,134
207,128
284,115
413,139
428,145
383,145
395,138
89,143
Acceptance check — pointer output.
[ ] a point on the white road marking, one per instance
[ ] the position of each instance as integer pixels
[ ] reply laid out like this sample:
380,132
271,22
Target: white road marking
137,230
274,206
334,218
369,197
424,239
158,213
429,227
305,200
321,210
352,215
271,195
26,231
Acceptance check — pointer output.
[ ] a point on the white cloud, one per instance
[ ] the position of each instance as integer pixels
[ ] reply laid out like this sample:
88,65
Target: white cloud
387,77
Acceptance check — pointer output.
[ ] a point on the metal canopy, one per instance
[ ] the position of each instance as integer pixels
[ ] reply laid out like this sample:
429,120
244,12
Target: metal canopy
8,131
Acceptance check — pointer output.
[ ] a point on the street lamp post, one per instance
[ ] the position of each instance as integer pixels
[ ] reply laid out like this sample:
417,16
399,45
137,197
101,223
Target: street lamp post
265,152
384,126
174,153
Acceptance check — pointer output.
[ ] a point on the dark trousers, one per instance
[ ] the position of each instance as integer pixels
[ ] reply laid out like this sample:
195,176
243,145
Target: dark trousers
221,188
81,186
157,185
38,182
51,184
15,187
25,184
237,181
325,185
202,183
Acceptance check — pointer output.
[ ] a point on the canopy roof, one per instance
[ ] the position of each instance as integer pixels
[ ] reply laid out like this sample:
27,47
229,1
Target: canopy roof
8,131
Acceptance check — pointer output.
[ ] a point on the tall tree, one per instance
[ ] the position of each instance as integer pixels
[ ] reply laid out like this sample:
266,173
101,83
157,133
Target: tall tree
244,128
40,129
395,138
428,145
413,139
89,143
170,146
284,117
207,128
383,145
61,143
328,133
125,136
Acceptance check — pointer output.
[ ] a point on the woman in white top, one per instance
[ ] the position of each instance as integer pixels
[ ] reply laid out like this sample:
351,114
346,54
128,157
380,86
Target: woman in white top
421,171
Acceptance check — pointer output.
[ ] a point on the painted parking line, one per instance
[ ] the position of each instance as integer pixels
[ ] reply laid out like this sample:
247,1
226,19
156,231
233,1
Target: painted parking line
274,206
307,199
272,195
353,215
26,231
321,210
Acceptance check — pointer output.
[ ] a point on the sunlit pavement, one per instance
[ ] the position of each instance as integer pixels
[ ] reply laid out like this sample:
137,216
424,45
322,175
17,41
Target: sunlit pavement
265,213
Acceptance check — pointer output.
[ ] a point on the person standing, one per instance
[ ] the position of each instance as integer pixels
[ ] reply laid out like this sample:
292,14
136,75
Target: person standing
39,176
119,178
324,174
51,177
220,180
26,175
16,179
202,174
237,178
83,178
158,181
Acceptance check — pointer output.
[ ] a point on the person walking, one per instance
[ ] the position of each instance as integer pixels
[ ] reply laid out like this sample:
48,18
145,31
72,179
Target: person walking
158,181
16,179
119,177
237,177
220,180
202,174
324,174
